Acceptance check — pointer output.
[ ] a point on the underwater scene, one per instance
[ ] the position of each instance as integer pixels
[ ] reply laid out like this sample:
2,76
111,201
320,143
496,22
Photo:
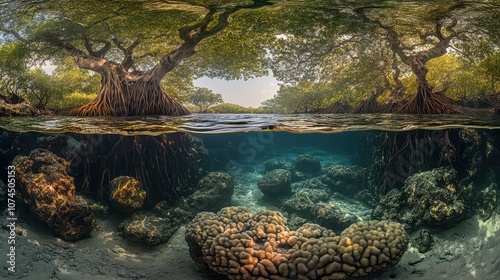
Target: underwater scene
250,139
251,197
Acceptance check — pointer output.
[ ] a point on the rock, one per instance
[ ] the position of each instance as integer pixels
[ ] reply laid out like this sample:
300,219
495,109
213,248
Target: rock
304,202
295,222
435,196
315,206
98,209
347,180
367,197
62,145
276,183
214,192
393,207
390,206
126,194
307,164
23,108
154,227
488,201
199,154
423,242
273,164
49,191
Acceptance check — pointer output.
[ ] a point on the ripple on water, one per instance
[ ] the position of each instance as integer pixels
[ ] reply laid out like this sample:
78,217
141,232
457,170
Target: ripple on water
237,123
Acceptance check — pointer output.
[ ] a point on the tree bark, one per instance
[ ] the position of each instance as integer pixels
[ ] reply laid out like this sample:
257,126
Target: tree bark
123,94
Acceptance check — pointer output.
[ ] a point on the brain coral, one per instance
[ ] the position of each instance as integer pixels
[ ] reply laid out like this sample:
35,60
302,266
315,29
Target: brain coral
244,245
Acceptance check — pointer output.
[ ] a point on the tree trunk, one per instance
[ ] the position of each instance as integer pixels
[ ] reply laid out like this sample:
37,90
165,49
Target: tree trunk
124,95
426,101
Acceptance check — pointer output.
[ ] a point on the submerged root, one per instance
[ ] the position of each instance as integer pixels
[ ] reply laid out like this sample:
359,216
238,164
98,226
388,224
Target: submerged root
402,154
165,165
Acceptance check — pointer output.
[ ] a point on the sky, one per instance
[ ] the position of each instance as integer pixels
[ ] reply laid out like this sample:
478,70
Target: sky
249,93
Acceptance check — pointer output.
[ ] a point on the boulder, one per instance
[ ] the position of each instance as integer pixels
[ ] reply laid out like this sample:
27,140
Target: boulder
214,192
307,164
49,191
273,164
126,194
315,206
276,183
347,180
153,227
434,195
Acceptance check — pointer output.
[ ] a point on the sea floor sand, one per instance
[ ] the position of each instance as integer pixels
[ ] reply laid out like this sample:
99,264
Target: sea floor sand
471,250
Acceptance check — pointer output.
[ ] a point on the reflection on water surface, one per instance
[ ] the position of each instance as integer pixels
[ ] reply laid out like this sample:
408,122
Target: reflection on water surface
234,123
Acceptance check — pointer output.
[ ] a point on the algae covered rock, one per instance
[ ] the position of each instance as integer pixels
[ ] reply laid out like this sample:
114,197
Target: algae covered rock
392,207
214,192
49,191
423,242
347,180
126,194
276,183
273,164
435,196
154,227
307,164
314,205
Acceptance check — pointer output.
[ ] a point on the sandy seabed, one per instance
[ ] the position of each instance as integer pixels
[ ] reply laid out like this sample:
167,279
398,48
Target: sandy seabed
471,250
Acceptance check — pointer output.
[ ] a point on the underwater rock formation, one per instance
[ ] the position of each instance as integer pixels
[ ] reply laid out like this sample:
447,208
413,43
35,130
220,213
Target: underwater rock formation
393,207
272,164
276,183
347,180
169,166
50,193
198,154
126,194
488,201
307,164
154,227
435,196
62,145
423,242
214,192
313,205
157,226
244,245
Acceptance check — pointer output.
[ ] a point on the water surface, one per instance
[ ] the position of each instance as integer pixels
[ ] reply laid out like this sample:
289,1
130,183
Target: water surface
238,123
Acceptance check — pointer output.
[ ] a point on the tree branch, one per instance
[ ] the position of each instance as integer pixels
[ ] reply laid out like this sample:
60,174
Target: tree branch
100,53
128,59
192,35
